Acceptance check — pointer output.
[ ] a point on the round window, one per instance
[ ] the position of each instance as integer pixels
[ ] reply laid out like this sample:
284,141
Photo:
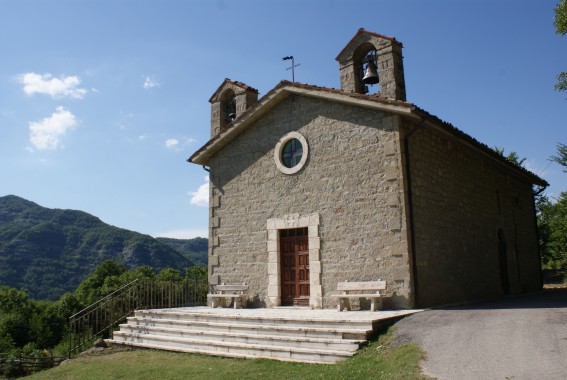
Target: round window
291,153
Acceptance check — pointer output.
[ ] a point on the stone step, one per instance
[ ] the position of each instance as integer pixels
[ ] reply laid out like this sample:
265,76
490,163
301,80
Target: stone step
232,349
268,338
274,328
236,317
302,335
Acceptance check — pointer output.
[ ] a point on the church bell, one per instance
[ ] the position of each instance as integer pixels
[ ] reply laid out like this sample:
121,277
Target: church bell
370,74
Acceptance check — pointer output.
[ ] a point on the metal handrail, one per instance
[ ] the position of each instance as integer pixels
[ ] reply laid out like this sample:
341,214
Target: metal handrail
100,318
103,299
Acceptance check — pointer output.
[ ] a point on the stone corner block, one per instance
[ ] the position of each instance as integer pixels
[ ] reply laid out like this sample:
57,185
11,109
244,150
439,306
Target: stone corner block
391,173
213,260
214,279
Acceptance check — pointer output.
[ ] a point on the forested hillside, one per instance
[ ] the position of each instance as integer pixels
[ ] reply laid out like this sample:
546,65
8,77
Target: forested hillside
193,249
50,251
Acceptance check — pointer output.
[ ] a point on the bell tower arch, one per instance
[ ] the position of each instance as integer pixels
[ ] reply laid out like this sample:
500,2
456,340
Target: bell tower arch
228,102
363,51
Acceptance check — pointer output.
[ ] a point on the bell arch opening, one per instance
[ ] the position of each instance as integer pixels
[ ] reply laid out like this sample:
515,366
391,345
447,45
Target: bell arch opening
365,61
227,107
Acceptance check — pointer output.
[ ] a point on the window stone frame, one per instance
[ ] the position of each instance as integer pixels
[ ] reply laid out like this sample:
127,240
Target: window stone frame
279,148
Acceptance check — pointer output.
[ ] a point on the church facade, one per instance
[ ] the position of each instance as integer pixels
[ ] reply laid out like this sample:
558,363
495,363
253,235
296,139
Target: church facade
311,186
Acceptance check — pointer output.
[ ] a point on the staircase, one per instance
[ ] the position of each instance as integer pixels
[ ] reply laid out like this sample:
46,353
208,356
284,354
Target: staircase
290,334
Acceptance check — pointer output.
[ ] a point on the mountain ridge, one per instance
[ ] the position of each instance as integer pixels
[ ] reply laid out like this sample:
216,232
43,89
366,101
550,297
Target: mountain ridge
50,251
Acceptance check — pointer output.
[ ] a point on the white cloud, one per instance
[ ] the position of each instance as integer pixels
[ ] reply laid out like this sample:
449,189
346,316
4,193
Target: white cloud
171,143
201,196
178,145
142,137
46,133
55,87
184,234
150,82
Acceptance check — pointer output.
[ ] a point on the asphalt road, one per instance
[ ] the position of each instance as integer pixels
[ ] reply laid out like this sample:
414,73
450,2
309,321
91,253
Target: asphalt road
515,338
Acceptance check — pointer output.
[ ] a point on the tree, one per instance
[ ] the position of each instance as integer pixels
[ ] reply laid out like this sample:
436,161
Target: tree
552,223
552,218
169,274
69,305
560,23
92,288
561,157
512,156
47,325
560,20
16,310
199,274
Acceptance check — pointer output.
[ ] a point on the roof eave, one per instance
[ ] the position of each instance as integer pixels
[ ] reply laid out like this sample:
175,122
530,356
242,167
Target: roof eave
203,155
271,99
285,89
471,141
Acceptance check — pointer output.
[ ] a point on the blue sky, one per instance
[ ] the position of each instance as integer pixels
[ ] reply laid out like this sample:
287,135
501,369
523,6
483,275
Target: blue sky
102,102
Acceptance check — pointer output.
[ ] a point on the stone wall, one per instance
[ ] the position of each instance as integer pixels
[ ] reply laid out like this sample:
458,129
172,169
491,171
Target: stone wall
349,193
461,198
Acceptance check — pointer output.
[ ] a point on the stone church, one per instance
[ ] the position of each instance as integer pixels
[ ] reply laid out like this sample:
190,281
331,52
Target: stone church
311,186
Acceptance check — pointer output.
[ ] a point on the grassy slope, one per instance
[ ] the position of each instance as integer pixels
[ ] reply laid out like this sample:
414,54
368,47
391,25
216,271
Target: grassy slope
376,361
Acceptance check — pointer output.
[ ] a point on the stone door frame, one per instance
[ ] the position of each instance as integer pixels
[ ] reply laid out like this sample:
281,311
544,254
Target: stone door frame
286,222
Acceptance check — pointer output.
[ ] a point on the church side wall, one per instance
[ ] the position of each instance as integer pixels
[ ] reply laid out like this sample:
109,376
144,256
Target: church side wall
461,199
350,185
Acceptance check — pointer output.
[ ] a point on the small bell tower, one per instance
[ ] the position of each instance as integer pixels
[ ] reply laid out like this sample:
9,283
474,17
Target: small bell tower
228,102
373,59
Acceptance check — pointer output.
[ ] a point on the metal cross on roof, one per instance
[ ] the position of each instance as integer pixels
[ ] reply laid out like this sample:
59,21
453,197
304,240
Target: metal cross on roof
293,66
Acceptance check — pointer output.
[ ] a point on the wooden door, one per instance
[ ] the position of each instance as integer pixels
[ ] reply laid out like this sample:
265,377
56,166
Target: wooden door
294,251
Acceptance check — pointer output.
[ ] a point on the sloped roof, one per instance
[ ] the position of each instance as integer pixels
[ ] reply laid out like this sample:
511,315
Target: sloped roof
233,82
364,31
286,88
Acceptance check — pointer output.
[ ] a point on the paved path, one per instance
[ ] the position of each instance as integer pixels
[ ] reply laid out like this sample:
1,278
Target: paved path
517,338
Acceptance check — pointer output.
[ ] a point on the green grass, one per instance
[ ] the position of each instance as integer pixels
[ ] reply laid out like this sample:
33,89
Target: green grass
378,360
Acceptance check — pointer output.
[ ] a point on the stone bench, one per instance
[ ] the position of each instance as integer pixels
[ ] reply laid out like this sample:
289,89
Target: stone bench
356,290
223,292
